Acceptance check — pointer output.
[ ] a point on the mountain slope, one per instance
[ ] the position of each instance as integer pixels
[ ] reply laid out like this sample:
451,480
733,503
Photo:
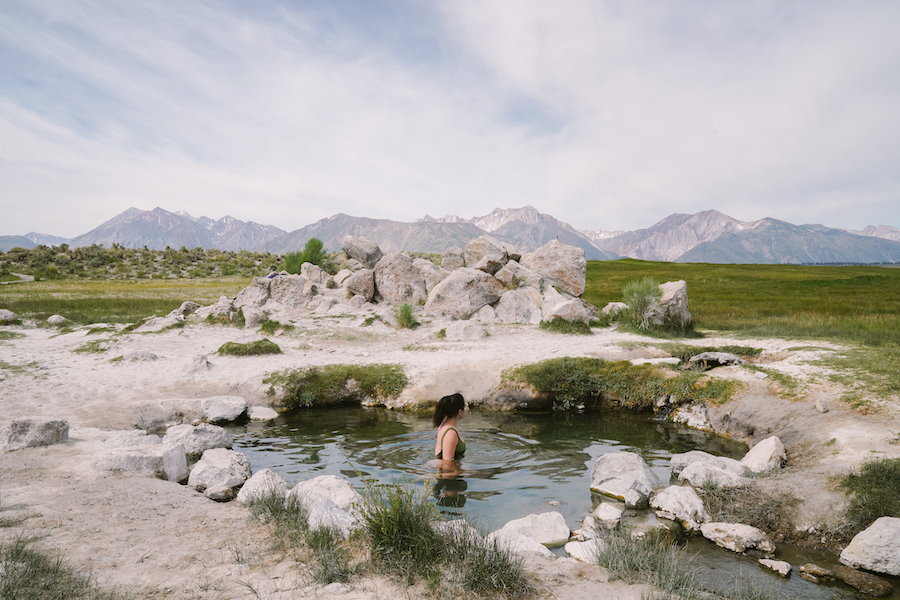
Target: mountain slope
8,242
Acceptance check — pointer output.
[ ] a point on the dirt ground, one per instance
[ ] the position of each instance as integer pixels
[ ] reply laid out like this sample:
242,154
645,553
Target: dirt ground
158,539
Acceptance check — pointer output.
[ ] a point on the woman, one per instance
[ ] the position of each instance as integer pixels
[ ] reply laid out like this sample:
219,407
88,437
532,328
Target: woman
450,445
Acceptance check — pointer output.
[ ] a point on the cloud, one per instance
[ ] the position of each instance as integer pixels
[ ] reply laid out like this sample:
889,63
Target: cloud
607,115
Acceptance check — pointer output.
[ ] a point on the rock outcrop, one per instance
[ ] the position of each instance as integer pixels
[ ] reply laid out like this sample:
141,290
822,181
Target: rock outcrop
32,431
737,537
876,548
625,476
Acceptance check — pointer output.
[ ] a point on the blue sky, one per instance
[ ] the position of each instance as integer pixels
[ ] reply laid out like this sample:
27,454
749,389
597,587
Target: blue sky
607,115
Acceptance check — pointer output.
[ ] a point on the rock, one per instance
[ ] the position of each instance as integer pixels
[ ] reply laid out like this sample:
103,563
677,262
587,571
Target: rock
527,277
316,274
457,529
263,483
486,252
820,406
7,316
323,512
607,515
336,489
362,249
679,462
200,364
159,416
682,504
357,301
398,281
547,528
139,356
517,307
261,413
550,298
223,409
760,375
32,431
220,468
362,283
613,308
341,276
486,314
617,473
737,537
765,456
781,567
876,548
563,264
672,307
199,439
253,316
452,259
256,294
57,320
693,415
220,493
292,291
584,551
709,360
135,452
518,543
699,474
506,277
864,582
432,273
669,360
572,311
643,524
816,571
222,308
463,293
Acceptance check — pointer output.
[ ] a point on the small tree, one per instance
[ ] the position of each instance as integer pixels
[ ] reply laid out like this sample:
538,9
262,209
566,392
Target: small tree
640,296
313,252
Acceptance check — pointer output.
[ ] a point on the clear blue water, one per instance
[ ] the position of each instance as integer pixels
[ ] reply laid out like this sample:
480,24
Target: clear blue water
515,465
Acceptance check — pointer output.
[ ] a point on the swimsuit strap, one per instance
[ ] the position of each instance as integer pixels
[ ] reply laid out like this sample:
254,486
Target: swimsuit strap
445,433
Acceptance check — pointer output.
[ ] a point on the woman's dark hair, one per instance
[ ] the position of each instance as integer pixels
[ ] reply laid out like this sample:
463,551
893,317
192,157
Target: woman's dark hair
446,407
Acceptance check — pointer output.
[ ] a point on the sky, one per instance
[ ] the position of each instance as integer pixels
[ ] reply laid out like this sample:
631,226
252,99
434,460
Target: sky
608,115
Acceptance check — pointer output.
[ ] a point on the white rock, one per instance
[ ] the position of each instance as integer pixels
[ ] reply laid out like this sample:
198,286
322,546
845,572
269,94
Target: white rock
199,439
584,551
32,431
765,456
323,512
261,413
693,415
152,460
877,548
291,291
781,567
518,543
607,515
516,306
7,316
699,474
262,483
316,274
361,249
465,331
486,314
613,308
485,250
679,462
362,284
563,264
432,273
130,439
220,409
682,504
617,473
669,360
253,316
223,307
341,276
220,468
547,528
457,529
737,537
398,281
571,310
452,259
672,306
254,295
336,489
462,293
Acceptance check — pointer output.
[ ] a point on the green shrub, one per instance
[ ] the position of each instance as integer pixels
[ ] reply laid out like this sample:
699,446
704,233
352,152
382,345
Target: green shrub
484,567
559,325
772,513
874,492
649,560
263,346
270,326
334,384
313,252
405,317
442,333
640,296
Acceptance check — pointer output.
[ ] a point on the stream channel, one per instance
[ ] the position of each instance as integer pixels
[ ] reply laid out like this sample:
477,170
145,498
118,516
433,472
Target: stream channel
515,464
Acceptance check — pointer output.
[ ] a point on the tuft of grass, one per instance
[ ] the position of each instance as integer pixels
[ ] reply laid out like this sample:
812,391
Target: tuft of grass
10,335
559,325
483,567
263,346
572,381
31,574
441,334
774,514
92,347
334,384
369,320
102,329
874,492
640,296
406,317
651,560
270,327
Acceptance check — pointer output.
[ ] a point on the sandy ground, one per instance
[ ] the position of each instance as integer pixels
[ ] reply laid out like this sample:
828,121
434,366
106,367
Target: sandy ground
161,540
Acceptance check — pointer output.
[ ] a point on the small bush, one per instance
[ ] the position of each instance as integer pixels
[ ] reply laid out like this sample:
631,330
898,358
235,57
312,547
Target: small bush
483,567
650,560
263,346
874,492
774,514
559,325
270,326
333,384
442,333
313,252
640,296
406,317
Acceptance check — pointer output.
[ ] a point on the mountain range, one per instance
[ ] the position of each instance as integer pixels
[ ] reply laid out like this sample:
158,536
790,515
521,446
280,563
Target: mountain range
708,236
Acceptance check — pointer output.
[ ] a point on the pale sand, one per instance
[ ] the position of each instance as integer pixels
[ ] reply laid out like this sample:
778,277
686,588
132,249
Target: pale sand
163,540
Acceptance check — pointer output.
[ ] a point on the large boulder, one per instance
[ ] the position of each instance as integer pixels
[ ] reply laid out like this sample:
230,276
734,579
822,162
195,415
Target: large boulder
292,291
519,543
547,528
765,456
432,273
565,265
525,277
699,474
462,293
32,431
141,454
876,548
223,409
571,310
737,537
625,476
56,320
256,294
452,259
220,468
398,281
486,254
323,512
679,462
263,483
361,283
362,249
199,439
7,316
335,488
316,274
672,307
682,504
223,307
517,306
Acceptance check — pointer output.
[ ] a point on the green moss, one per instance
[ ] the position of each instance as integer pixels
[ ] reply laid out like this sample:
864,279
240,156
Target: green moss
334,384
92,347
558,325
270,327
263,346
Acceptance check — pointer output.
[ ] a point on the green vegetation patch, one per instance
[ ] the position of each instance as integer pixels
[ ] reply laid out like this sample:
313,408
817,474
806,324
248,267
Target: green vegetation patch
271,327
559,325
684,352
10,335
335,384
572,381
874,492
406,317
92,347
649,560
773,513
263,346
866,371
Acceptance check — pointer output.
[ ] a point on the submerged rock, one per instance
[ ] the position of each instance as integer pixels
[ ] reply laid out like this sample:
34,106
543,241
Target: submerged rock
737,537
